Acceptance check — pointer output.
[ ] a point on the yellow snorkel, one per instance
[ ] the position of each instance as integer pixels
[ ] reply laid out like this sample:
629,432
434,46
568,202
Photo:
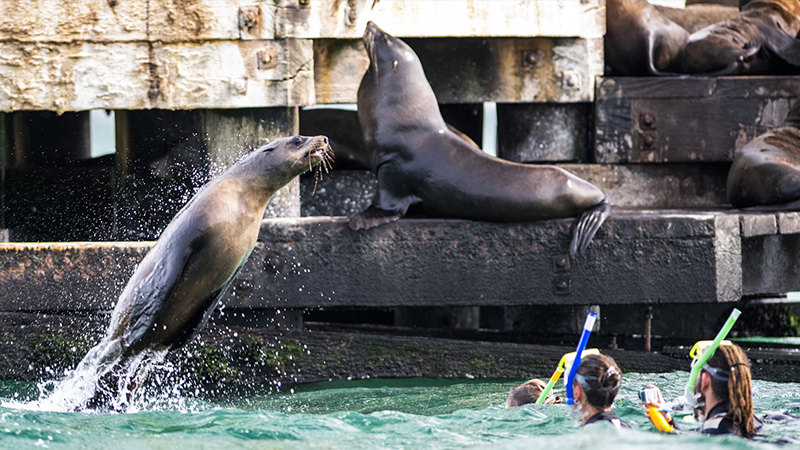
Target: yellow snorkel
568,358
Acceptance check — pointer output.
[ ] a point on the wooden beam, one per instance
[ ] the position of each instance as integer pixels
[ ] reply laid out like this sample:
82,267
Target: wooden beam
686,119
313,262
142,75
423,18
506,70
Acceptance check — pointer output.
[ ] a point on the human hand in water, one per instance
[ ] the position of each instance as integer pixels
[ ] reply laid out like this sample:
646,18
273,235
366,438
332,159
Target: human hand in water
654,403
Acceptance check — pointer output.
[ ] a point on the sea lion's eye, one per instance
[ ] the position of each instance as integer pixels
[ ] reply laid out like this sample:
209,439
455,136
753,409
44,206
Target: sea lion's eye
297,140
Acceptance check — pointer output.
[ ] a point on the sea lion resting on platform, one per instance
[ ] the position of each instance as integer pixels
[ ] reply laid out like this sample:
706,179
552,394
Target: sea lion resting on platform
766,170
178,284
761,39
421,164
640,40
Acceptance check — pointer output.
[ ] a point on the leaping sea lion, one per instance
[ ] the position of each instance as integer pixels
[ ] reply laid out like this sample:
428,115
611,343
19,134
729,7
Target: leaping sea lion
761,39
421,164
182,278
766,171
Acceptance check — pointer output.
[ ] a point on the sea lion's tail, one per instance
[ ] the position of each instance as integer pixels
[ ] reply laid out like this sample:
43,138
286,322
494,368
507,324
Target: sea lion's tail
587,226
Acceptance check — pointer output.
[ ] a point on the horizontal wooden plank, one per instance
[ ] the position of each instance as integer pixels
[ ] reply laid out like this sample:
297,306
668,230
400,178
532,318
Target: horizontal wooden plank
104,21
424,18
203,20
218,74
505,70
319,262
638,257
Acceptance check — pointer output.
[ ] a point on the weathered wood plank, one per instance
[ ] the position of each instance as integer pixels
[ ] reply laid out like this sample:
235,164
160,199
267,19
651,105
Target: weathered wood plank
320,262
104,21
637,258
474,70
690,119
769,265
215,74
423,18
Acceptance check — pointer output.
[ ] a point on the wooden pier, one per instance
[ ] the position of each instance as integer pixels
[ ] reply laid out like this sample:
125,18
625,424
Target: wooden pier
194,85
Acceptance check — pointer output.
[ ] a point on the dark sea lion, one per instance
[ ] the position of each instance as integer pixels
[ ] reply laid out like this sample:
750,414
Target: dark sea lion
698,16
766,170
761,39
182,278
640,40
420,163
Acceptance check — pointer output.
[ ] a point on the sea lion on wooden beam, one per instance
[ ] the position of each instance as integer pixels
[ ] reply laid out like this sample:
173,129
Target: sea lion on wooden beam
421,164
180,281
641,41
766,171
761,39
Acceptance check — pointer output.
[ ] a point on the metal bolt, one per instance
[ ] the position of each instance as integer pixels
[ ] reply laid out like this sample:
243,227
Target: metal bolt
560,263
249,18
571,80
649,139
647,120
267,58
533,58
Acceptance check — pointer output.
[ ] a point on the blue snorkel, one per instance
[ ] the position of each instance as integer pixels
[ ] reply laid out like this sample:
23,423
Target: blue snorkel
587,330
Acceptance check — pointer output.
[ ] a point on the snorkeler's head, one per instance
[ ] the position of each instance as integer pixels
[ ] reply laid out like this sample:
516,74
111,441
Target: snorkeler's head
600,378
529,392
731,381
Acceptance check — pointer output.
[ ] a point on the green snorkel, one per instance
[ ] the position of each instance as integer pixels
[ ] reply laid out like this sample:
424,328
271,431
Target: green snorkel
697,365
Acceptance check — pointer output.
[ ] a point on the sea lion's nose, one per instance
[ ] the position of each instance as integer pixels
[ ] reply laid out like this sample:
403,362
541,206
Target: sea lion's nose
325,140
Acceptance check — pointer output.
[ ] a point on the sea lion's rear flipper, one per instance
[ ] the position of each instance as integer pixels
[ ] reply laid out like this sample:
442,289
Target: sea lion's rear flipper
372,217
587,226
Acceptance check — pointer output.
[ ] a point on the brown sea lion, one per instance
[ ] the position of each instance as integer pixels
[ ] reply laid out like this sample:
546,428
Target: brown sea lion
421,164
761,39
698,16
182,278
766,170
640,40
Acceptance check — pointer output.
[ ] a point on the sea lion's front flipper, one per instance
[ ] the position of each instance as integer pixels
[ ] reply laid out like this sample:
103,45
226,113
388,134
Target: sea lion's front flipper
587,226
372,217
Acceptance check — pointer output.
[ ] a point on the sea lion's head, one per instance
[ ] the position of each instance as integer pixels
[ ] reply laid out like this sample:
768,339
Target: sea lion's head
385,51
281,160
718,50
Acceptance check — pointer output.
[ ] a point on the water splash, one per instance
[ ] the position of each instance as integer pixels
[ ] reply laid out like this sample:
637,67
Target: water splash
103,377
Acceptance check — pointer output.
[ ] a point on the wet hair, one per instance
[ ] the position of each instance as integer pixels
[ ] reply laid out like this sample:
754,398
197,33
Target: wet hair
731,382
600,378
529,392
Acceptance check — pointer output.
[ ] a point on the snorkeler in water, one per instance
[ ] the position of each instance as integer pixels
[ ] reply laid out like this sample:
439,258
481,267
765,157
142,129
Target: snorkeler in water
529,392
724,397
594,388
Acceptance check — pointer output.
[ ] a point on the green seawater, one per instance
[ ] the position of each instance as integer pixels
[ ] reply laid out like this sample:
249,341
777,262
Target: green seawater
413,413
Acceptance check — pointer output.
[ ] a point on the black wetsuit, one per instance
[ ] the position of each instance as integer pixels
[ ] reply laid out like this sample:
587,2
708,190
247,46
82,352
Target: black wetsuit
607,416
718,421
